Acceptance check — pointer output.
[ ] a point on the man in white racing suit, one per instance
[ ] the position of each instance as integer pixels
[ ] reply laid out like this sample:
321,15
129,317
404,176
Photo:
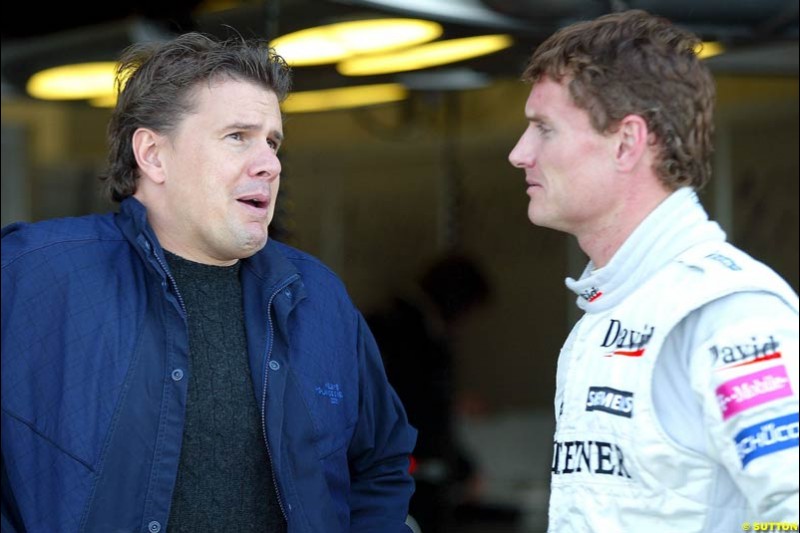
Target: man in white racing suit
677,392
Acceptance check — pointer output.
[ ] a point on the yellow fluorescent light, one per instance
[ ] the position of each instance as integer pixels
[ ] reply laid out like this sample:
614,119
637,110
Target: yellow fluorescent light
73,82
424,56
104,101
328,99
334,42
708,49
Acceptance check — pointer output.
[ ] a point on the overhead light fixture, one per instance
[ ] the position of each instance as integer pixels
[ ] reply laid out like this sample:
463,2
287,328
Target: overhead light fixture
343,98
74,82
708,49
334,42
449,79
321,100
109,100
424,56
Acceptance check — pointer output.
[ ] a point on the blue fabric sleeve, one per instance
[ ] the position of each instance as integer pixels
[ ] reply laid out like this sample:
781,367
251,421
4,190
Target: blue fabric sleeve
381,485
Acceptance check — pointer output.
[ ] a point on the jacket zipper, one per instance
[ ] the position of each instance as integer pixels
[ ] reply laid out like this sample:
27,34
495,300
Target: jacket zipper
270,339
172,282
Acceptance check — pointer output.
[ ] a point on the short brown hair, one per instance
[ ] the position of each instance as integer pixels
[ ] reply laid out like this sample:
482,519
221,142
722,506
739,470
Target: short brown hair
636,63
157,82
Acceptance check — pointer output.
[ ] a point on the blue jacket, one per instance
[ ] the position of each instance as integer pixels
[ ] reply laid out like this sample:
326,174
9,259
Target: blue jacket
95,374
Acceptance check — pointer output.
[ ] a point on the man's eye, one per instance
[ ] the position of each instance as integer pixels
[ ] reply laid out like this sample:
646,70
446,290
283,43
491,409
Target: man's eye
236,136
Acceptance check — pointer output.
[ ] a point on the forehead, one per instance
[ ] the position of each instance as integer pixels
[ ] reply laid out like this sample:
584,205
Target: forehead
233,99
549,94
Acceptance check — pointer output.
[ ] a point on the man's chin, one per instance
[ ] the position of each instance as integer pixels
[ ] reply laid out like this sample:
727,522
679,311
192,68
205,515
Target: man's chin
538,219
251,243
534,217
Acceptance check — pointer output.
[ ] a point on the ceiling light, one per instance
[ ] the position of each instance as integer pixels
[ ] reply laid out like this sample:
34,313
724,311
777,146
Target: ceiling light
109,100
334,42
424,56
73,82
347,97
708,49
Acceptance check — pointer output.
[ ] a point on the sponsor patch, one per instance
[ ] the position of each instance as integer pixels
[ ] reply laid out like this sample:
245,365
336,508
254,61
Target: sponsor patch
625,341
608,400
767,437
592,294
736,355
590,456
754,389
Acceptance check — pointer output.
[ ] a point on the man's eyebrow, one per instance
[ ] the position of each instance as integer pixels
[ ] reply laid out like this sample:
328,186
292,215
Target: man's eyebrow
245,126
536,117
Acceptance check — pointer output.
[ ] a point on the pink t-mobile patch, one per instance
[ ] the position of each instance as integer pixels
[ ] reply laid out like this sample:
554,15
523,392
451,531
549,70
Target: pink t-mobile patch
748,391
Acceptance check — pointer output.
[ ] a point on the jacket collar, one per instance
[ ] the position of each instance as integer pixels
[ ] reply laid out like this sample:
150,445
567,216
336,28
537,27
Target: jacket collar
132,221
270,264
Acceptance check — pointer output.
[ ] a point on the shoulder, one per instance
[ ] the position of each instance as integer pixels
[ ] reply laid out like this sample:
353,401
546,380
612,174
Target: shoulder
322,286
713,272
740,319
722,297
21,240
309,267
736,298
725,261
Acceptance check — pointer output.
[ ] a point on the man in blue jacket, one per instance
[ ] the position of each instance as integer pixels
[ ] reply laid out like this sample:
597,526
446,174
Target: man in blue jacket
170,368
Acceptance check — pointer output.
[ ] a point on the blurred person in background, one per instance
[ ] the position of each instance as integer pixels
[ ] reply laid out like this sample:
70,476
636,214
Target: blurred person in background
415,333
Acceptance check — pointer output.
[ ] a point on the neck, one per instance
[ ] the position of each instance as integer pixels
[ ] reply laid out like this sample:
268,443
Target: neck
602,239
170,235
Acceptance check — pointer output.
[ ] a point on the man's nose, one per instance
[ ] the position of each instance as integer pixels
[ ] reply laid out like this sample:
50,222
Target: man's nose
521,155
266,164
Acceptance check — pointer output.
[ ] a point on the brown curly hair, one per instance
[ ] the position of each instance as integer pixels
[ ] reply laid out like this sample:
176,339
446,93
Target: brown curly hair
156,83
636,63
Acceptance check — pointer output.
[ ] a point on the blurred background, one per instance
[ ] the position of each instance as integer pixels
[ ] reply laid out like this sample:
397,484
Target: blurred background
388,187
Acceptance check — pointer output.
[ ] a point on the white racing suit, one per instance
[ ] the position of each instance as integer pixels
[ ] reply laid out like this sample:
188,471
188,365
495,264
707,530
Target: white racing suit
677,391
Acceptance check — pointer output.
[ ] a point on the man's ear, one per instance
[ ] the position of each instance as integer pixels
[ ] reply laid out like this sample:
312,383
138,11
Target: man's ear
632,139
147,148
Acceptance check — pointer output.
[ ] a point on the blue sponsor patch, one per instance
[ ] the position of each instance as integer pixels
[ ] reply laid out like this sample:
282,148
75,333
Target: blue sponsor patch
767,437
612,401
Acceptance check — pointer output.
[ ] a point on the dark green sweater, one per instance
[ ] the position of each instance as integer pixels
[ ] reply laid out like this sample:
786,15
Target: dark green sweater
224,480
